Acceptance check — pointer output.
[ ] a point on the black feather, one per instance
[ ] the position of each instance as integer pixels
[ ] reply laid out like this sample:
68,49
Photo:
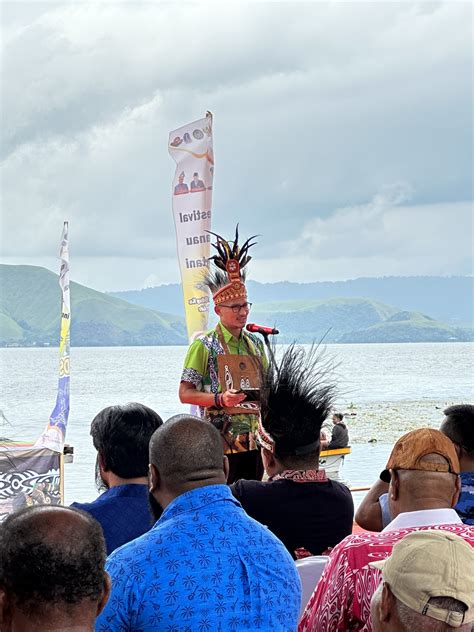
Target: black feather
297,396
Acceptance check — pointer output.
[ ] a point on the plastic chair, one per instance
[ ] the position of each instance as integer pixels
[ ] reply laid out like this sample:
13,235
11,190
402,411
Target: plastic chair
310,570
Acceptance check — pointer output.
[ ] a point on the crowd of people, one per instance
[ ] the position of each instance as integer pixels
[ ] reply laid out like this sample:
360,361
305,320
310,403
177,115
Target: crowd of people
205,522
187,551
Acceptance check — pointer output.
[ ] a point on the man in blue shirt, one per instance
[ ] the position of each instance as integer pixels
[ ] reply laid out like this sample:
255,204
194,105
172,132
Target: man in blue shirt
121,436
458,425
205,566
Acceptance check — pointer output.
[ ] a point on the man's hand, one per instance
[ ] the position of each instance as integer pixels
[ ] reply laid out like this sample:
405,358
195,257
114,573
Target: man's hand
232,398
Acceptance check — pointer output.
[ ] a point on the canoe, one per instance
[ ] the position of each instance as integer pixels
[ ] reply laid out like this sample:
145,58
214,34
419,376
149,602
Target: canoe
332,461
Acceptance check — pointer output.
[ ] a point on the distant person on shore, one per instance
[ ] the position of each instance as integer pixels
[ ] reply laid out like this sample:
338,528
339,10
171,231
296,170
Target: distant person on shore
458,425
427,585
52,573
121,436
340,434
424,487
304,508
205,565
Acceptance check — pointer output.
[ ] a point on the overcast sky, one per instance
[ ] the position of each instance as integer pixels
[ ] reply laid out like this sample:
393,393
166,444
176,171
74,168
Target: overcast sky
342,134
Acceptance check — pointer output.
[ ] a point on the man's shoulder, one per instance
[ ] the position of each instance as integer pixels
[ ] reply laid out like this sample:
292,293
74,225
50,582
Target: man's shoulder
94,506
245,485
358,548
136,550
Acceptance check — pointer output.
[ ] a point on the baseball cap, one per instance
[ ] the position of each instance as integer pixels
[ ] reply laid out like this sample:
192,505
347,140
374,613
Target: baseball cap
427,564
409,450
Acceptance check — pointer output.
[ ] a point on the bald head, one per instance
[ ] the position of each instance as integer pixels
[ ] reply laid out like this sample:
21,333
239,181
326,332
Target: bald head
187,453
413,490
52,561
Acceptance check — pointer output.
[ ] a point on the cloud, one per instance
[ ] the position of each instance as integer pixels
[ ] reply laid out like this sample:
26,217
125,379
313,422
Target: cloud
384,237
316,105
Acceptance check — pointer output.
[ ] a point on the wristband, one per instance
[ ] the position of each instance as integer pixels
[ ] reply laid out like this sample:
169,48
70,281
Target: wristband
217,401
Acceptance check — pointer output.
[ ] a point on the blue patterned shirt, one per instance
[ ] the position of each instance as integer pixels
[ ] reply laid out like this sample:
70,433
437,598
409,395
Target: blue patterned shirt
204,567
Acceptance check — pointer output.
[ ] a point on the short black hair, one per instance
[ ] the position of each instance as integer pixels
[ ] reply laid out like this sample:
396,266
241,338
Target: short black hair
51,556
121,435
186,449
340,416
296,397
459,425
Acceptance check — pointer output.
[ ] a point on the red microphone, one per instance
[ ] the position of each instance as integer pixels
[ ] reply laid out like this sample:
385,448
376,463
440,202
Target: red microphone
258,329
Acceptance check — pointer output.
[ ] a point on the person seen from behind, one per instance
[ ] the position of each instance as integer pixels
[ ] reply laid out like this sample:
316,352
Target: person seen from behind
121,436
52,576
427,585
423,468
373,513
303,507
205,565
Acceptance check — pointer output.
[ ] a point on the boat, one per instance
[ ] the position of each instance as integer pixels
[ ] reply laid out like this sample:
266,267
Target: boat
332,461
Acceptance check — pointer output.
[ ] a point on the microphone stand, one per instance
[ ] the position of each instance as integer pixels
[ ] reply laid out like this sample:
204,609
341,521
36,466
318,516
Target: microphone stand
271,355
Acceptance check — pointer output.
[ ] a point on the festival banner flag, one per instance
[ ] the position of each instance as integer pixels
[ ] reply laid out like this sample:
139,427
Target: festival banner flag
28,476
191,148
55,431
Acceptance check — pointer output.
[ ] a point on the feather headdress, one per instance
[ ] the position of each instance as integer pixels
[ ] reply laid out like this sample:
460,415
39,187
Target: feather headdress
295,398
226,279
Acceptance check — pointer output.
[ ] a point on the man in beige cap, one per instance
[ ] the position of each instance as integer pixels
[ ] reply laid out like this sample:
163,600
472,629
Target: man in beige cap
427,584
424,486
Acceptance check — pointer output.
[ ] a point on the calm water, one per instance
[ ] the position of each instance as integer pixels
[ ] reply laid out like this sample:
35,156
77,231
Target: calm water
392,388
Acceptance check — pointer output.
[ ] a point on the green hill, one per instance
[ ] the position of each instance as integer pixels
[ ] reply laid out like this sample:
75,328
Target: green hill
308,320
30,306
410,327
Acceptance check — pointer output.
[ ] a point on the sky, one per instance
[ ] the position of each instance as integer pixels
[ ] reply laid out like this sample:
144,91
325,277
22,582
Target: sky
343,135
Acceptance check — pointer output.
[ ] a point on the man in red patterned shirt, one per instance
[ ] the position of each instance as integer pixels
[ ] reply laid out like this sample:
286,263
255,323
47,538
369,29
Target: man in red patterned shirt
424,486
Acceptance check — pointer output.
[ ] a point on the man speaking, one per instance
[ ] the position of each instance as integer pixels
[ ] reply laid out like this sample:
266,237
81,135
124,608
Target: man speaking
222,367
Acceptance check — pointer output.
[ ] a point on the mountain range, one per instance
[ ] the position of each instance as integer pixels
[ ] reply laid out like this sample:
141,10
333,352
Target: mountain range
448,299
30,306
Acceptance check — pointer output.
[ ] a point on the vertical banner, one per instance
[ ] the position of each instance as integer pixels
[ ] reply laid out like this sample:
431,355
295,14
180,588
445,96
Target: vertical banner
55,431
28,476
191,148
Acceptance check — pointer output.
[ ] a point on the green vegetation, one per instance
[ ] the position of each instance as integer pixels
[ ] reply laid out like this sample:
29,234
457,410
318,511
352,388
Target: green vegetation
410,327
30,305
30,308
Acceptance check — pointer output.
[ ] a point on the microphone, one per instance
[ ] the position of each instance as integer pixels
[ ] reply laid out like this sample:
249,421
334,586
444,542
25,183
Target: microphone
258,329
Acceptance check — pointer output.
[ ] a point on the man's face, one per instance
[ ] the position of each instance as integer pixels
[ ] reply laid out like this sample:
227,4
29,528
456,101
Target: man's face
180,179
234,318
335,420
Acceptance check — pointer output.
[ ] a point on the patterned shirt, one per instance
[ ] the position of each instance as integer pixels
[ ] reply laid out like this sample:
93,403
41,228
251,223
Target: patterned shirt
201,369
204,567
342,597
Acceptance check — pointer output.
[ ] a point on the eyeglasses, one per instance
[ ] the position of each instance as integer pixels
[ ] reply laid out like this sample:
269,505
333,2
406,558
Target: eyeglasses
237,308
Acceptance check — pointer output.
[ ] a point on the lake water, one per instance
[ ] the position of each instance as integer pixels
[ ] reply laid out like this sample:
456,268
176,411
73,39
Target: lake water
389,388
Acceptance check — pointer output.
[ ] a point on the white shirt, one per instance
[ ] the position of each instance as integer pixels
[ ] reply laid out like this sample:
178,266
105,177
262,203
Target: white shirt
423,518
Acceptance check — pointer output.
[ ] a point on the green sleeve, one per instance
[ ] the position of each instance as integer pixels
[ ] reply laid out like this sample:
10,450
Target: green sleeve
195,364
